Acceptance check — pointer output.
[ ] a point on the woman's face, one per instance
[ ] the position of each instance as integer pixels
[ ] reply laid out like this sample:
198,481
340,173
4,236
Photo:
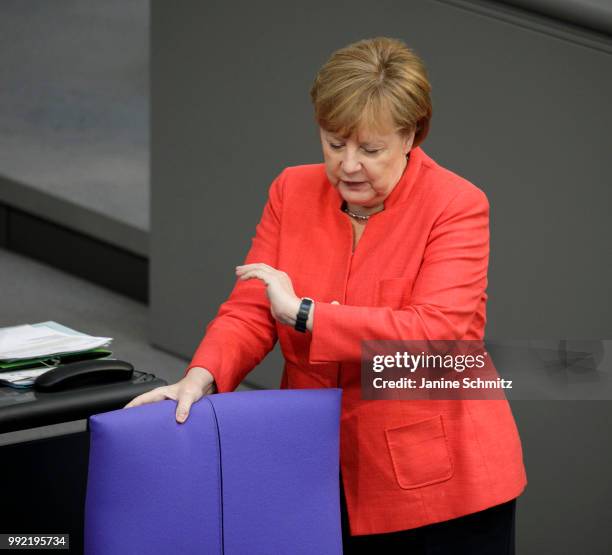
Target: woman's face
366,166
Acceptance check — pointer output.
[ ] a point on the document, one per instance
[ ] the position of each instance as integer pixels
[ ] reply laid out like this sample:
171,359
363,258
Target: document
42,340
23,378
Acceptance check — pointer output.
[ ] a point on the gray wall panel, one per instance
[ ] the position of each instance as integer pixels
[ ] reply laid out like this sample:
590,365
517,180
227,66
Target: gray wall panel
74,110
594,14
522,113
3,225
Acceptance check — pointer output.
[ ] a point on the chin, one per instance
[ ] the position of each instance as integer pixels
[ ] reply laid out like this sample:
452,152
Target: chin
362,199
357,201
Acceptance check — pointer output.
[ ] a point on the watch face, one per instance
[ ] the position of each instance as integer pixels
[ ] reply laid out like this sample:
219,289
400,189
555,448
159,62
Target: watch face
305,307
302,315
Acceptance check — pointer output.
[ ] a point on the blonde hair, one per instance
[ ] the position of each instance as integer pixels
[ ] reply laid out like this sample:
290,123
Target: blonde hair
374,83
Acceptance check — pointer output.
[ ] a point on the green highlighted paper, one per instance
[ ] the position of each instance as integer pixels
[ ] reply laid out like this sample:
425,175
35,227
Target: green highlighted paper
46,344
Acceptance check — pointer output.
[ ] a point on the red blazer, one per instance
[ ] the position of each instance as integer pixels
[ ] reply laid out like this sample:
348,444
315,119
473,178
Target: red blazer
419,272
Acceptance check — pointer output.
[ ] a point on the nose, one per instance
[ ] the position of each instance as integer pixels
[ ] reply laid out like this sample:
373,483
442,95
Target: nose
350,162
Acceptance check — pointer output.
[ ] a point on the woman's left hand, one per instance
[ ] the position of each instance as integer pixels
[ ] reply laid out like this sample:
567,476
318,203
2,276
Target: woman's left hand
284,304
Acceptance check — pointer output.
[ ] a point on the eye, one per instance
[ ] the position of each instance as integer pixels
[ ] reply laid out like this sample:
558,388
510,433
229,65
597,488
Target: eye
371,151
336,146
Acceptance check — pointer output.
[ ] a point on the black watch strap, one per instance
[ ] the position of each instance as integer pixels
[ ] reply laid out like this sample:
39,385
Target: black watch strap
302,315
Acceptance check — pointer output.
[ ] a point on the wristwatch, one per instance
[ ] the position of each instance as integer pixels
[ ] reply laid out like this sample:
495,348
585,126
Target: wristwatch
302,315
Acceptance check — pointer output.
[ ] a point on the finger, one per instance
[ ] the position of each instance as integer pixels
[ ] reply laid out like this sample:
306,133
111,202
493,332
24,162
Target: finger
157,394
262,269
255,265
183,407
250,275
256,274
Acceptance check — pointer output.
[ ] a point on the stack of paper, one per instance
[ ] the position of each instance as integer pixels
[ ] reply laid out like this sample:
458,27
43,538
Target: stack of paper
22,378
30,350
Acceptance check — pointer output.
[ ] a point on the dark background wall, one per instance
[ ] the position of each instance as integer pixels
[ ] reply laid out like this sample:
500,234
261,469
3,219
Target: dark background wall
520,108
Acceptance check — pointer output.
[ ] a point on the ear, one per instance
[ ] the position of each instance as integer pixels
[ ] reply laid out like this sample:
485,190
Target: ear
408,140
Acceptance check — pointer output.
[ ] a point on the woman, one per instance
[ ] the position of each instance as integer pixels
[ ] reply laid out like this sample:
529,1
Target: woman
379,242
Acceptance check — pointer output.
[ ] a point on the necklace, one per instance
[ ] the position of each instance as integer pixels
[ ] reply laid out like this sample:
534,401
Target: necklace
358,217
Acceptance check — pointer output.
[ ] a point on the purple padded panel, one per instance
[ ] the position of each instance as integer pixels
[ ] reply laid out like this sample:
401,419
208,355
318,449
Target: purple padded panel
153,485
279,459
249,473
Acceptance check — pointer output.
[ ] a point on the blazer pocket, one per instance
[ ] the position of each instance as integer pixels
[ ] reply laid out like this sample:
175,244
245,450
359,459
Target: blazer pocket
393,292
419,453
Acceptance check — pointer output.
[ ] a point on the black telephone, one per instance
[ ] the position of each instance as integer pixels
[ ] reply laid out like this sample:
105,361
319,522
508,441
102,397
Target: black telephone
85,372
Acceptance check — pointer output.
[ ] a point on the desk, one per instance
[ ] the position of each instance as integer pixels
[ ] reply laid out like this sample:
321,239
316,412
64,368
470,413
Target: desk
44,481
27,408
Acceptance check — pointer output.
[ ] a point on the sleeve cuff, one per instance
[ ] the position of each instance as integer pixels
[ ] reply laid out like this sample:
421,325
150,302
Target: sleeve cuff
223,382
327,343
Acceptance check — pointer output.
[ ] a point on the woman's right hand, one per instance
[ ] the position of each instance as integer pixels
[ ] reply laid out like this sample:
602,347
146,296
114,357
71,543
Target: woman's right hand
196,383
